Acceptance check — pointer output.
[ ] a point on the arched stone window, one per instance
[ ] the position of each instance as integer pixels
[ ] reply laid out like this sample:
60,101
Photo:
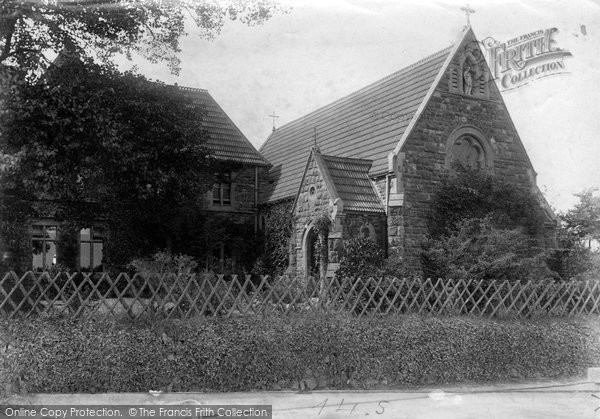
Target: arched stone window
469,147
467,151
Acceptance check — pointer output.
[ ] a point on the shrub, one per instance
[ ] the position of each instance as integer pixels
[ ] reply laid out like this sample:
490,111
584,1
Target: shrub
365,261
243,354
473,194
363,258
163,262
165,272
478,250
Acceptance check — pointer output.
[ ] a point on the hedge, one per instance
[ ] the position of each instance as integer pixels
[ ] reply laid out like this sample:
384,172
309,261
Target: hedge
308,351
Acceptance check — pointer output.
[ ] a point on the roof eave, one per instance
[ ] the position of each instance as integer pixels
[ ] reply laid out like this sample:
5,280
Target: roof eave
425,101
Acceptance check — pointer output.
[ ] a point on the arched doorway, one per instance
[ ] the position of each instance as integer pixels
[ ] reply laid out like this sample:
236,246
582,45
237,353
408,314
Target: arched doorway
311,253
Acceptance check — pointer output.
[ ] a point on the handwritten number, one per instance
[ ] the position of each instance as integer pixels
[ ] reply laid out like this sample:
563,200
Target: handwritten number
379,406
323,405
342,409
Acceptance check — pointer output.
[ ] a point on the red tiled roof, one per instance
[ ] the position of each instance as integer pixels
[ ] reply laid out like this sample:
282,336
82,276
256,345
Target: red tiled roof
366,124
225,140
350,178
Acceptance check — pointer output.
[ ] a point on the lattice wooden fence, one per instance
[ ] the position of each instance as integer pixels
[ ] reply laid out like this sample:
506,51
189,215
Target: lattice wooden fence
82,295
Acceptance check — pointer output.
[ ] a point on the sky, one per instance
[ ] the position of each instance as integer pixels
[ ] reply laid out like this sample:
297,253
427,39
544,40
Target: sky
322,50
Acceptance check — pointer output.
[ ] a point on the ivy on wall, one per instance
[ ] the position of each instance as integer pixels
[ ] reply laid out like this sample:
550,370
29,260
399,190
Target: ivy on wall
15,243
276,235
473,194
483,228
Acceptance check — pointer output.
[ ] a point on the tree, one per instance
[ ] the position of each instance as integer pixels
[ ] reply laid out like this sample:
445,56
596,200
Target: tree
90,143
80,141
579,232
583,221
29,29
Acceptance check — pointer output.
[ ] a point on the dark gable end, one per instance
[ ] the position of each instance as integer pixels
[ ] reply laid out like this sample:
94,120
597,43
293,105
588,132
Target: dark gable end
365,125
225,140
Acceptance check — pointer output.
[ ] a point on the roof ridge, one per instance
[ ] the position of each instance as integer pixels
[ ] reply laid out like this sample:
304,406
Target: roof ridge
367,87
191,89
352,159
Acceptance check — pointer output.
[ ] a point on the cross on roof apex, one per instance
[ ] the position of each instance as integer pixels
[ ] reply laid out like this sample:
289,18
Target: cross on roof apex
467,9
274,116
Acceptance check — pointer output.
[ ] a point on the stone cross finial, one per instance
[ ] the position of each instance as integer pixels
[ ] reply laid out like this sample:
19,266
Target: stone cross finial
467,11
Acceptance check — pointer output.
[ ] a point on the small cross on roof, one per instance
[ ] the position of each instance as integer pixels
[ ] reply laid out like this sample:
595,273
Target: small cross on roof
467,9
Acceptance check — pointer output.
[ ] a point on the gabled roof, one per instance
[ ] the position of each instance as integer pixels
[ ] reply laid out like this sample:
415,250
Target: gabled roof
365,125
346,179
350,178
225,140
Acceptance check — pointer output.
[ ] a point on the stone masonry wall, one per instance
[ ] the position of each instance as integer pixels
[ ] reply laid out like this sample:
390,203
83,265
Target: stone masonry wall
242,191
307,209
424,166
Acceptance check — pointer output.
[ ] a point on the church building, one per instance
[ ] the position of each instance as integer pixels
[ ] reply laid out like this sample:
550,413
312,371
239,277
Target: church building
370,162
382,151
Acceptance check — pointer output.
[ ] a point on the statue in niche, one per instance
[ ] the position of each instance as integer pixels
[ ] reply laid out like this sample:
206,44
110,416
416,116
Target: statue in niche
473,74
467,81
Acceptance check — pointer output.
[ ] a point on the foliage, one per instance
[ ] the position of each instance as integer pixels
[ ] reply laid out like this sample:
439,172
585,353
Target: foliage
321,224
362,258
205,236
90,143
472,194
15,243
245,354
579,238
169,275
67,246
276,236
396,267
80,141
364,266
365,259
90,134
163,262
104,28
294,290
479,250
583,221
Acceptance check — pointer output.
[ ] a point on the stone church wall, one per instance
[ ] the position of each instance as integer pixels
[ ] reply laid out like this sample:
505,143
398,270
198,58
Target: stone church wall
425,163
